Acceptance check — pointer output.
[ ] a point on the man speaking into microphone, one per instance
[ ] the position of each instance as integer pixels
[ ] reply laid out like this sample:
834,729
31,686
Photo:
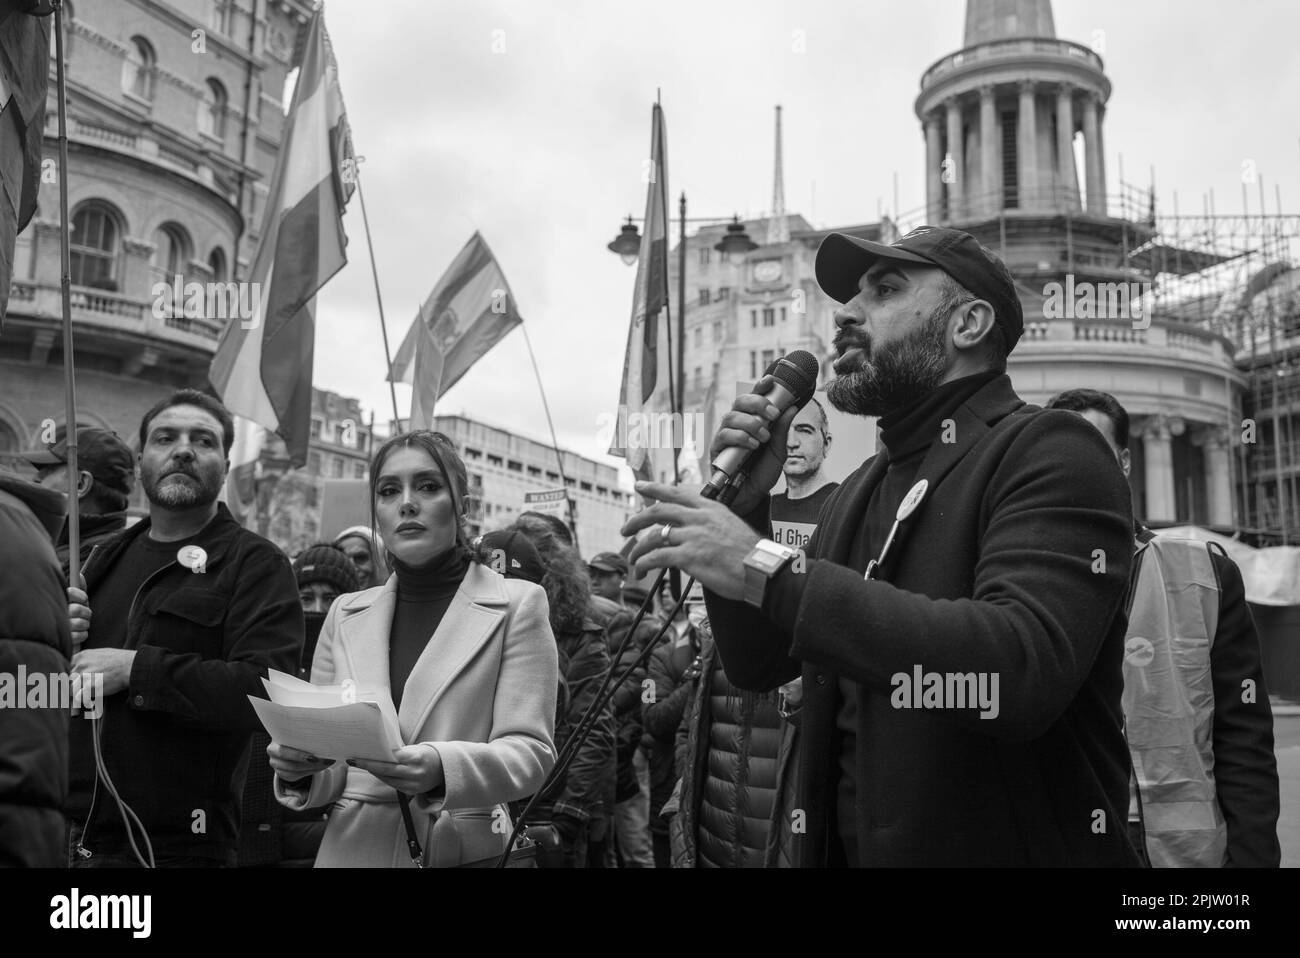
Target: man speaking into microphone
957,617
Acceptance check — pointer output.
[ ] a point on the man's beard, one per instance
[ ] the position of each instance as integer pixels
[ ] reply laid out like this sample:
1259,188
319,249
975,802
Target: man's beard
178,494
896,375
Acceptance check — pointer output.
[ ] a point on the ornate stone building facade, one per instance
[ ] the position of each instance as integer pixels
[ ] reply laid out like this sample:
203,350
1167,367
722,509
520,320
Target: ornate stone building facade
174,120
1013,131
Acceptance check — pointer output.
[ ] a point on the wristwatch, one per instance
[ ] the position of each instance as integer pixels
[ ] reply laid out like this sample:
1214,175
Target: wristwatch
765,561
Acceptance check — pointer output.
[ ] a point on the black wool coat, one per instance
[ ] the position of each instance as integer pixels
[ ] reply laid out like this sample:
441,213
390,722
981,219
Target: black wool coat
1016,563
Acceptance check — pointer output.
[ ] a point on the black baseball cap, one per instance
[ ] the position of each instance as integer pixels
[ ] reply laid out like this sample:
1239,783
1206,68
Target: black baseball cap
521,558
842,259
100,452
609,562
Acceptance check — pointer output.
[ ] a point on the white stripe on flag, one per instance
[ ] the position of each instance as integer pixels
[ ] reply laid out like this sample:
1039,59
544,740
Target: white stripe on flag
244,394
312,166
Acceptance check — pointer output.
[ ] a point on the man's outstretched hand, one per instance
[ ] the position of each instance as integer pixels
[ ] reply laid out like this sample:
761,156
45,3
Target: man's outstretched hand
706,541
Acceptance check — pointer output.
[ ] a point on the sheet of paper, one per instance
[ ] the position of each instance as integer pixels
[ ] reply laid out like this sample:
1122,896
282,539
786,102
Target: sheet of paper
309,696
285,680
359,730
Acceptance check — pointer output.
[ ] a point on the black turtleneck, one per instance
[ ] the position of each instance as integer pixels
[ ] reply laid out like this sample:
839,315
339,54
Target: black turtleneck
424,594
907,435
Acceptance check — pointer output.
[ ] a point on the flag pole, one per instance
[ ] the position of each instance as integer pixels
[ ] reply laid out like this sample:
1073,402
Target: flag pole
573,518
379,298
65,257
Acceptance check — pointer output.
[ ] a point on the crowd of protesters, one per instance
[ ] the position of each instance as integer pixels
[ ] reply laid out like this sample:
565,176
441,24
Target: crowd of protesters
185,612
497,652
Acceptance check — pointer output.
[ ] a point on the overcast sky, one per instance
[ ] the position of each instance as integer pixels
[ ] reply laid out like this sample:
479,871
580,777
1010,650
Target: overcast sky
539,146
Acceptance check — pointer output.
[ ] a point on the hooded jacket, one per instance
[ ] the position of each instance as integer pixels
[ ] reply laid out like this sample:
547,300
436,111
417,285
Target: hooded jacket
34,638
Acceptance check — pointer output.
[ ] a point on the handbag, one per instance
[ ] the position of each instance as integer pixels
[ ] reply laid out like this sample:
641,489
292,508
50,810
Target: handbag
522,855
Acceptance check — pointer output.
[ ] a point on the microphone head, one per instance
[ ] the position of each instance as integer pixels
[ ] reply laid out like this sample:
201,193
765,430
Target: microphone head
797,372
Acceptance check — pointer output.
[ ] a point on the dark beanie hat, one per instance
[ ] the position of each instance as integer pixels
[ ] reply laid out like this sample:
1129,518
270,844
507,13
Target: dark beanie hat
323,562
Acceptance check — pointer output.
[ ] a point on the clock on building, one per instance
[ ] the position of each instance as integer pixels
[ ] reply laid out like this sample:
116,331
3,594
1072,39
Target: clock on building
767,271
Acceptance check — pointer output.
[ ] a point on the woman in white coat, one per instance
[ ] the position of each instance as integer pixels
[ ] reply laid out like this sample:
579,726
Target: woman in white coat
470,662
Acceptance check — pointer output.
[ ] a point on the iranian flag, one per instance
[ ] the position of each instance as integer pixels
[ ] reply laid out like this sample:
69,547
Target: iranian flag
647,385
468,312
263,365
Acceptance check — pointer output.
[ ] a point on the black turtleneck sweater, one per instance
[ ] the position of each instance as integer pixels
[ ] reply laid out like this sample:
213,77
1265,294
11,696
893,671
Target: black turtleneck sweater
424,594
906,435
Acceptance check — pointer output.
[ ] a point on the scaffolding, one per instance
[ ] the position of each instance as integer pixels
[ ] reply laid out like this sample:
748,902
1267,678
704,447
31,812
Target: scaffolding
1235,274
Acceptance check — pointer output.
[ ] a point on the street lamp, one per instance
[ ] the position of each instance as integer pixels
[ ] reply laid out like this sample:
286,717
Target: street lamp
627,244
736,244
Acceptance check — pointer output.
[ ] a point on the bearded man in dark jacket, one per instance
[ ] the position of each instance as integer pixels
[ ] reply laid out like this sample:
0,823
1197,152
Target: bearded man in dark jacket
183,615
957,617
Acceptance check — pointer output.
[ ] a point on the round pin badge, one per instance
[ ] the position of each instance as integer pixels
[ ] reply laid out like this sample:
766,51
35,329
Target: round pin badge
912,500
1139,652
193,558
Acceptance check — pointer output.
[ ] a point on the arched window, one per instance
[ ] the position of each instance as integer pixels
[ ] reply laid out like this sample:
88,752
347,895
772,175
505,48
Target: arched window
138,68
96,233
212,110
217,263
171,252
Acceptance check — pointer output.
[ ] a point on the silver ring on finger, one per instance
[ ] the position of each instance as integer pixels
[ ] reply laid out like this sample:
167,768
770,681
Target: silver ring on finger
663,533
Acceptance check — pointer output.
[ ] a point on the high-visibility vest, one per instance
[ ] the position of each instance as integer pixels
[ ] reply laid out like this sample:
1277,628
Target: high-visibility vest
1169,702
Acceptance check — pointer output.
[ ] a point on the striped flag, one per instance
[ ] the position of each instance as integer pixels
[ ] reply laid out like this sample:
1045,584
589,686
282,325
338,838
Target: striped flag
647,386
470,310
263,365
24,70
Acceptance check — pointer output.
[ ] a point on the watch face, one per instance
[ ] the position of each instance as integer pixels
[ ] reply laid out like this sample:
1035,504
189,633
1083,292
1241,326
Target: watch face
766,562
768,271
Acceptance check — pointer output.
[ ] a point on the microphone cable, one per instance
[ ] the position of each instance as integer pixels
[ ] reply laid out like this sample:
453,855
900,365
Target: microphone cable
587,722
604,693
128,814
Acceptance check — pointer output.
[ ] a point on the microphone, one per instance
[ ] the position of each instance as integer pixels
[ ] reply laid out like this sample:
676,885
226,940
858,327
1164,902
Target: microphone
796,381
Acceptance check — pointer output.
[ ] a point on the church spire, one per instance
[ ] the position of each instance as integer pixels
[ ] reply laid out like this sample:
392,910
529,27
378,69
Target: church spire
777,229
989,20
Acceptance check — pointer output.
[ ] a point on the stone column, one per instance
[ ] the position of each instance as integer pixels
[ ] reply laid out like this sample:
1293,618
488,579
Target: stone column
1027,149
1218,474
1101,159
990,186
957,188
1065,147
1158,454
1094,174
933,170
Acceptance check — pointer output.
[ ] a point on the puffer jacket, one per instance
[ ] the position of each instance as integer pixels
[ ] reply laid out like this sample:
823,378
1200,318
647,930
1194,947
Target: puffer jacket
34,637
729,766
